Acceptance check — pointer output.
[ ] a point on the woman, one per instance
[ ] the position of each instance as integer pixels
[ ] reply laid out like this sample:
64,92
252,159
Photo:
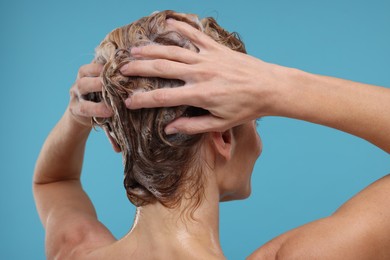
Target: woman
175,181
169,225
244,88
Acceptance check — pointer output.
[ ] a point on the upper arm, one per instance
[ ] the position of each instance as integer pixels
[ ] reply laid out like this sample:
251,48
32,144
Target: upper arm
69,219
358,230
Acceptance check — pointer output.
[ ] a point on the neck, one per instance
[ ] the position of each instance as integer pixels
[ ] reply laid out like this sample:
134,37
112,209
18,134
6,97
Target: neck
176,232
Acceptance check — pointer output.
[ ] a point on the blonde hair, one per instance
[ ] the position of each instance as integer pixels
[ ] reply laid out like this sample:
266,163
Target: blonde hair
157,167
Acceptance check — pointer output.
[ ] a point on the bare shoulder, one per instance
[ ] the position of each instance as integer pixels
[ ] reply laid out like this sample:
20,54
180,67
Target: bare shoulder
78,240
359,229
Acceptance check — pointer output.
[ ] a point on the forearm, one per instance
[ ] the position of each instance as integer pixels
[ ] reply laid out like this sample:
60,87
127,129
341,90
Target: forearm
355,108
62,154
61,202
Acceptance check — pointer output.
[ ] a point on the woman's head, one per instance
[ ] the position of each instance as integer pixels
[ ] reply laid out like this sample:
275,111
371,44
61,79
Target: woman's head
157,167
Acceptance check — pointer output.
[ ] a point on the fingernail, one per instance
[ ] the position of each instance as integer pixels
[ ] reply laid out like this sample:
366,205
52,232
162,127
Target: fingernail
128,102
135,50
171,130
124,68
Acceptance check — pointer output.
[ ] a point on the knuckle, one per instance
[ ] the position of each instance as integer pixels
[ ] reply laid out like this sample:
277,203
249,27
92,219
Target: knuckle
81,82
195,35
214,46
82,71
97,81
160,65
71,109
171,51
82,109
160,97
101,110
203,74
80,85
203,96
186,128
214,125
144,51
199,95
98,110
190,129
72,93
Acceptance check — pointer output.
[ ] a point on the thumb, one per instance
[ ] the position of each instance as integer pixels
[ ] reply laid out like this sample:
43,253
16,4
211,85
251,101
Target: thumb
196,125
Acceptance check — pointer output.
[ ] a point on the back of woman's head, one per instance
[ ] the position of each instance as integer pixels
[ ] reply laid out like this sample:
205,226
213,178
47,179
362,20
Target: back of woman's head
158,167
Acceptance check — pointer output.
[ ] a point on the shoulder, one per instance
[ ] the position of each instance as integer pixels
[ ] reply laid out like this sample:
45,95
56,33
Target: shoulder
78,241
357,230
329,238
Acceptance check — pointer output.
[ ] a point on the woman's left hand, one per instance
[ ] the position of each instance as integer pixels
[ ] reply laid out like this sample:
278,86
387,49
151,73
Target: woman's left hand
234,87
88,81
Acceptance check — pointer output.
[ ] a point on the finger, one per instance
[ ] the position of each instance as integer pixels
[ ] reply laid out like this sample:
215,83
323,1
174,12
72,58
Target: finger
87,85
167,97
90,70
173,53
197,124
200,39
156,68
92,109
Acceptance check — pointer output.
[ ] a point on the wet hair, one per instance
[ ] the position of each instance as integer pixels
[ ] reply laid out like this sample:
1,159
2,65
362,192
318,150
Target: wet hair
157,167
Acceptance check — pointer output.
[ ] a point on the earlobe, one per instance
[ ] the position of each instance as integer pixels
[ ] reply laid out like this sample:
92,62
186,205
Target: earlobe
223,143
113,142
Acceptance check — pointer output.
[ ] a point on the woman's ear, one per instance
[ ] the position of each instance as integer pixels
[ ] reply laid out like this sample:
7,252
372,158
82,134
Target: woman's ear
113,142
223,142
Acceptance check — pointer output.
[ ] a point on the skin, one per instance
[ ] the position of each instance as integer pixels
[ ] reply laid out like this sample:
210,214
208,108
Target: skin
244,88
73,230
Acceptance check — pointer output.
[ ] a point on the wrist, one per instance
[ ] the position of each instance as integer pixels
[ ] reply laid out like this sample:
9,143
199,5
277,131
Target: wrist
292,92
74,127
276,89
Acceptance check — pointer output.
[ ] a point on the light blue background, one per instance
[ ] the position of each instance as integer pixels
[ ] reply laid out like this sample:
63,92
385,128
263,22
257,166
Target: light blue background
305,172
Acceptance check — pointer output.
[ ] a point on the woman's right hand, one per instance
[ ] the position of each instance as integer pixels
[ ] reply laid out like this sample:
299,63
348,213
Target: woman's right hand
88,81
